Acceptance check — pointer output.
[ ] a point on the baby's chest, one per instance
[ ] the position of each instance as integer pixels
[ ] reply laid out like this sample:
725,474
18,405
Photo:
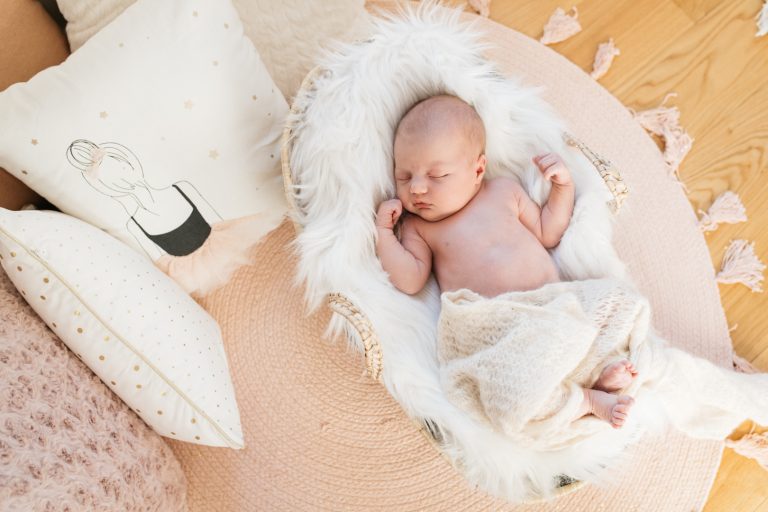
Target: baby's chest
479,230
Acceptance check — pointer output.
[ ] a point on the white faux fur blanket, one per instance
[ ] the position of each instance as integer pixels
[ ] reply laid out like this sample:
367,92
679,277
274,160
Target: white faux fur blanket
518,362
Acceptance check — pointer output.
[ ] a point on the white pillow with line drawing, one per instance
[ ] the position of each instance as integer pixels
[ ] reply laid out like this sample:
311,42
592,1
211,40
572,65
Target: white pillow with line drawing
162,129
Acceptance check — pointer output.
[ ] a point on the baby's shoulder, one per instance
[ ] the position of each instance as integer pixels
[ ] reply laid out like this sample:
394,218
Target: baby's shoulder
412,226
411,223
505,184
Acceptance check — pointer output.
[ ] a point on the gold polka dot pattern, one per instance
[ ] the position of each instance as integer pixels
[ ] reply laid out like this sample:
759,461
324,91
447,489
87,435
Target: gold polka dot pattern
97,291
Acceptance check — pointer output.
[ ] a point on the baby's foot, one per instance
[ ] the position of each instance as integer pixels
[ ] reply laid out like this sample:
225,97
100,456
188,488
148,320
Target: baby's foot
616,376
611,408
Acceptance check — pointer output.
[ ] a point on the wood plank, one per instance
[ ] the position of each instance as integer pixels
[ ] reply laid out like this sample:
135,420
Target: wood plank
697,9
732,492
699,62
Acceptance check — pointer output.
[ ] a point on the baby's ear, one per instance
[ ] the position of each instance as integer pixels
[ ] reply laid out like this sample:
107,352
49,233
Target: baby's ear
480,166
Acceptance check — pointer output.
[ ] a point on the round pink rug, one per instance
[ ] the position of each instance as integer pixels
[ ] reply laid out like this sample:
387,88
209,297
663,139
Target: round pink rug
322,436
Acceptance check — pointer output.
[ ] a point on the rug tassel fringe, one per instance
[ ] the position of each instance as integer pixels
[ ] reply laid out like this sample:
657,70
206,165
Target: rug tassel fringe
560,26
741,265
727,208
482,7
603,59
752,445
742,365
762,20
665,122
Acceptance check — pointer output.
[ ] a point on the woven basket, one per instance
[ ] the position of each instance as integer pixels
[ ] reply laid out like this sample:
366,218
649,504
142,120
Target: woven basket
359,321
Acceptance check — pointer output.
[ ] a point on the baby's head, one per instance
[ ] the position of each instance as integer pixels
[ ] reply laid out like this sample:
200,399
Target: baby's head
439,155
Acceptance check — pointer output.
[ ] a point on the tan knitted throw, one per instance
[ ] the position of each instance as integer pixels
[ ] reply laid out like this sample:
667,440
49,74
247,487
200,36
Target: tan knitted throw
518,362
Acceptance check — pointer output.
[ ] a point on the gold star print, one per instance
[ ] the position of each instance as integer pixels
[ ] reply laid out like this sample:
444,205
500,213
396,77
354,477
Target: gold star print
213,154
188,104
34,142
103,115
226,25
215,63
194,13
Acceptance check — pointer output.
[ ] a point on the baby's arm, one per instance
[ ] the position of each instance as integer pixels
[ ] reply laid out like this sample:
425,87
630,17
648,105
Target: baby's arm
550,222
408,263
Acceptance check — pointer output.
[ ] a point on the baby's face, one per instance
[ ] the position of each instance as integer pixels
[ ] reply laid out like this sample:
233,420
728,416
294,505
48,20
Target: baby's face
436,177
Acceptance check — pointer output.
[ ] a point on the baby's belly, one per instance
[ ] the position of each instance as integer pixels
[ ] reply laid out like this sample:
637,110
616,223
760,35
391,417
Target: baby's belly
493,272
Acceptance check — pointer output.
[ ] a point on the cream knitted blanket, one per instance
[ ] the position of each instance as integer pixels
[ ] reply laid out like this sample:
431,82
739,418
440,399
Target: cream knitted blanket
518,362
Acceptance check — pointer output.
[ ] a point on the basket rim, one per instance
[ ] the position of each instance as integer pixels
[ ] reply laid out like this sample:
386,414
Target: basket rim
286,147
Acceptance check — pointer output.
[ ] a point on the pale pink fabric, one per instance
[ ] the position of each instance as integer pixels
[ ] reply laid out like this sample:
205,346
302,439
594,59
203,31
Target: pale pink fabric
67,443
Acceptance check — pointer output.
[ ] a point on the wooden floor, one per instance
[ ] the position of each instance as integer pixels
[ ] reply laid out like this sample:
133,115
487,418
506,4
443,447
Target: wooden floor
706,52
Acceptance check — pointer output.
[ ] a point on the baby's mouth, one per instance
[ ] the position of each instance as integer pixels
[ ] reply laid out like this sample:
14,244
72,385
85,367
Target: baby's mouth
421,205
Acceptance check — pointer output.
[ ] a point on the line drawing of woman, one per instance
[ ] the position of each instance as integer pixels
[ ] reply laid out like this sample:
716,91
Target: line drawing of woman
175,225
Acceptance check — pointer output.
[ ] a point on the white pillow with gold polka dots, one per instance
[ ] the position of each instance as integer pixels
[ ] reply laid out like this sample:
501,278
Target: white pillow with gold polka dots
163,129
146,338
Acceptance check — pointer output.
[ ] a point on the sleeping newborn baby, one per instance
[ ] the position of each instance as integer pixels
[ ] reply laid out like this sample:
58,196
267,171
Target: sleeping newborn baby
484,235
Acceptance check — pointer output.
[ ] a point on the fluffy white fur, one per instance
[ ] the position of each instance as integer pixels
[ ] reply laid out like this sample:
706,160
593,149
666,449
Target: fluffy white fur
342,167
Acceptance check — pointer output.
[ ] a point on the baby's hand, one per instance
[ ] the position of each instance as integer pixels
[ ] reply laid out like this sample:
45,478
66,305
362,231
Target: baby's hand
554,168
389,212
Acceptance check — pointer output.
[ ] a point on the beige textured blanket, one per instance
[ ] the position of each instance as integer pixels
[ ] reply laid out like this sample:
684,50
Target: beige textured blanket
519,361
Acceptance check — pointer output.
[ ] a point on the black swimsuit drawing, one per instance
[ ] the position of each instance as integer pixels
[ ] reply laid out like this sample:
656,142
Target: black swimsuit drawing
198,249
113,170
186,238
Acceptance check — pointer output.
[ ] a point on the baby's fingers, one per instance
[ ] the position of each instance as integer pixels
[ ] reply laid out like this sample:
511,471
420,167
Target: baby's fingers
396,212
388,213
551,172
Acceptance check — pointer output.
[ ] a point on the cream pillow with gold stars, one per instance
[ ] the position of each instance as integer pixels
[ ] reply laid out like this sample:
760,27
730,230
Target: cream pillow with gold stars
144,336
162,129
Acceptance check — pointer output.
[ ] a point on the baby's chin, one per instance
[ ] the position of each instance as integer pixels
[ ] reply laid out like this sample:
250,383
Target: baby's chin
428,214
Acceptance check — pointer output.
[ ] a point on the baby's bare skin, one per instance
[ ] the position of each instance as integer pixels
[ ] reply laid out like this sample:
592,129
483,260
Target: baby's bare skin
485,235
504,254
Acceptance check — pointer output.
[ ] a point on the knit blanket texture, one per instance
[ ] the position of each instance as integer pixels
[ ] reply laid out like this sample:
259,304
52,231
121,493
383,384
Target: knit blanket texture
518,362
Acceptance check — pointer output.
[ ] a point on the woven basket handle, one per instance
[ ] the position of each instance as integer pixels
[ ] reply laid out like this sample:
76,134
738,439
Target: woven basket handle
373,357
607,170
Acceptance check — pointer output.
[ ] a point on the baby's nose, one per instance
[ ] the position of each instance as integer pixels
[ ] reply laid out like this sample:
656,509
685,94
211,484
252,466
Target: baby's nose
418,186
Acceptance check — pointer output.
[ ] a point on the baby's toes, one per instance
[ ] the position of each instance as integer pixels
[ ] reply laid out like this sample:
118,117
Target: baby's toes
620,371
620,409
619,414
